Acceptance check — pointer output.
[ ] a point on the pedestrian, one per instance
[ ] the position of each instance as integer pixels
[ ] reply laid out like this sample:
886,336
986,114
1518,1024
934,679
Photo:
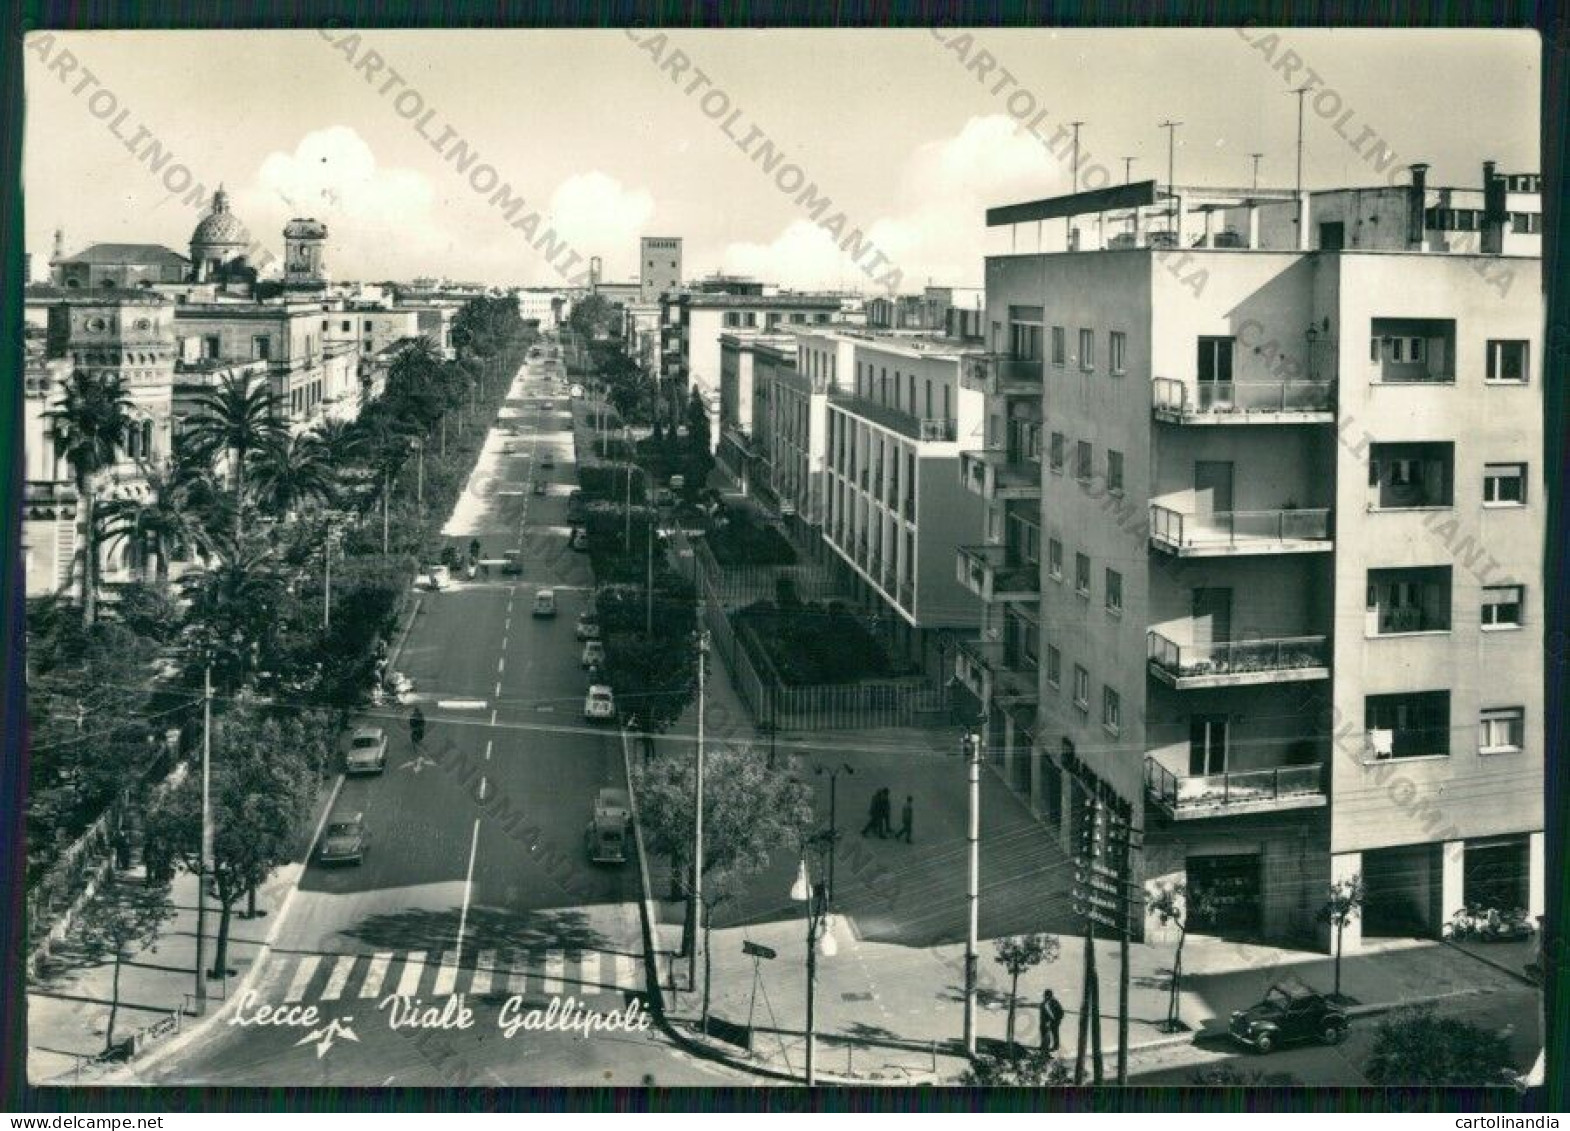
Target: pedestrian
417,725
885,813
874,815
907,819
1049,1016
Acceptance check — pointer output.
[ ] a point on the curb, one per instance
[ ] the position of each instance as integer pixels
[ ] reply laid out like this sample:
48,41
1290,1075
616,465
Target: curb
1519,975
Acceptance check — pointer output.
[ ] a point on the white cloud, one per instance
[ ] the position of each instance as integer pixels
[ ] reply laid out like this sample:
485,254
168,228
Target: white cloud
598,215
934,225
377,216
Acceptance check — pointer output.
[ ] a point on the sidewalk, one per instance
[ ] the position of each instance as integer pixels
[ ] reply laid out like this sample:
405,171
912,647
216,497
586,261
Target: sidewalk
68,1002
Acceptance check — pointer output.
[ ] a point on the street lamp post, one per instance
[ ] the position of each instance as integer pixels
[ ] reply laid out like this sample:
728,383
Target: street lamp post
819,938
834,773
205,862
972,743
419,481
697,820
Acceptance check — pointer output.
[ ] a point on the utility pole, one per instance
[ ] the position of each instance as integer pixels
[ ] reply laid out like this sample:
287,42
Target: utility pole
1090,883
1068,221
972,746
1128,166
419,482
1297,191
1256,157
1120,834
697,823
833,773
648,586
386,502
1171,128
204,865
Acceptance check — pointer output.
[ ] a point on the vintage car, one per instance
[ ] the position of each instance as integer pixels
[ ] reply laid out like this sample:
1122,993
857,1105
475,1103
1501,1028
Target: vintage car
610,827
593,654
343,841
544,603
1290,1011
367,752
599,705
588,626
512,562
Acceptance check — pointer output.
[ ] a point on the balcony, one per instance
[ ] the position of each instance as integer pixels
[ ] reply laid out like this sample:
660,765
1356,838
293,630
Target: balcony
1294,530
1245,402
1004,680
993,474
998,375
937,428
994,573
1185,797
1234,663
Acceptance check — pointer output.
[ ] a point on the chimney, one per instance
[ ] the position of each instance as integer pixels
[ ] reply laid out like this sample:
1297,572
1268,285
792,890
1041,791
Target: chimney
1494,213
1416,195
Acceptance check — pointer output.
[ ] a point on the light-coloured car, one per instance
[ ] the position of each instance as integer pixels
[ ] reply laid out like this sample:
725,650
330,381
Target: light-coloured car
547,461
545,603
343,841
593,654
578,539
588,626
599,704
367,752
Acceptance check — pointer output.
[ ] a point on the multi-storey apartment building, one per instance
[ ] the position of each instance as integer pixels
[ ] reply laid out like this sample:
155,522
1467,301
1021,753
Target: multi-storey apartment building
737,450
789,420
693,322
659,266
1285,459
895,416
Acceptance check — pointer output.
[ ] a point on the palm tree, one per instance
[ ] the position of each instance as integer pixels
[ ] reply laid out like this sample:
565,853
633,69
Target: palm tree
341,442
233,605
292,471
89,426
169,518
239,418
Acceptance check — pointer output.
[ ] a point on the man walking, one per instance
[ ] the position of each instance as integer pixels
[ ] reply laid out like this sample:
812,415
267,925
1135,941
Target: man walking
877,814
1049,1016
417,726
907,820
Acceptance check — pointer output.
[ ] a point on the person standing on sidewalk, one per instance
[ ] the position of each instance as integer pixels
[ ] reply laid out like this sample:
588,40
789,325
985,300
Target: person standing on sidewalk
907,820
1049,1016
878,815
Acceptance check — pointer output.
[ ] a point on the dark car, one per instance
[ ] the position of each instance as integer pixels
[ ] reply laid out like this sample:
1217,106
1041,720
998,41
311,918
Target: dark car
1290,1011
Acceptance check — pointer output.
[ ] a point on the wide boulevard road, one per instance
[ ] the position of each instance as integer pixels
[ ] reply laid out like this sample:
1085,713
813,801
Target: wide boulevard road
475,888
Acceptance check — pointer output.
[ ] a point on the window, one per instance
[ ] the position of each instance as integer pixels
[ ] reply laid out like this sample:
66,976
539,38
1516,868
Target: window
1111,710
1055,559
1059,348
1114,592
261,347
1500,730
1087,350
1408,725
1117,347
1082,461
344,327
1507,363
1504,484
1054,666
1526,223
211,346
368,325
1082,575
1055,453
732,318
1215,360
1114,472
1502,606
1081,688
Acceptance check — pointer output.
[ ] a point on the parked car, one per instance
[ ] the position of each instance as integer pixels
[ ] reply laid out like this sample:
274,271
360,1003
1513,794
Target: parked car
599,704
578,539
545,603
547,461
593,654
588,626
664,497
343,841
367,751
439,577
547,406
512,562
1290,1011
576,392
610,827
575,505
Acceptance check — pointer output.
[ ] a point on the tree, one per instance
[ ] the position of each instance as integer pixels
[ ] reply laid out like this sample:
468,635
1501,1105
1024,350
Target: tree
118,920
1176,904
591,317
238,419
698,456
1342,905
89,426
1419,1048
749,810
291,471
1018,954
1014,1067
168,520
263,779
233,608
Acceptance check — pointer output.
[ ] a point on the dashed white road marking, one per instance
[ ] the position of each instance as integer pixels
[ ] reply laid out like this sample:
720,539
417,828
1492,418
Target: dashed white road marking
589,969
302,977
483,973
342,967
501,664
376,975
555,965
626,973
488,749
462,704
446,975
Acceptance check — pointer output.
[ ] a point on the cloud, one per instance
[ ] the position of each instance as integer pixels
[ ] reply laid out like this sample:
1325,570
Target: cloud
935,226
378,216
598,215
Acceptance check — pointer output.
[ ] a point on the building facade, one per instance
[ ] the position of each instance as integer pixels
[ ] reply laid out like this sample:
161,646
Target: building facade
1264,471
659,267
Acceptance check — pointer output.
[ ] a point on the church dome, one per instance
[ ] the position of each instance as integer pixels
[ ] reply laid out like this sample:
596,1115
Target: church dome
308,229
220,227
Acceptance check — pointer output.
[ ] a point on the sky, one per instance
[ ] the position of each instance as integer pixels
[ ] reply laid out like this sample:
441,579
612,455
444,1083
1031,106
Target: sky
609,135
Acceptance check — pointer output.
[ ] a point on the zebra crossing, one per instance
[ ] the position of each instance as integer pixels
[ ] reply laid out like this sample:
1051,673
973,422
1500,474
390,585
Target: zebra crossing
545,972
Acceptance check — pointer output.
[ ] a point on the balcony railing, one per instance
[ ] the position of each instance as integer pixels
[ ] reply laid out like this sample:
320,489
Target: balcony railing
995,573
1242,402
996,374
1209,795
993,473
1290,530
1009,681
1231,662
937,428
